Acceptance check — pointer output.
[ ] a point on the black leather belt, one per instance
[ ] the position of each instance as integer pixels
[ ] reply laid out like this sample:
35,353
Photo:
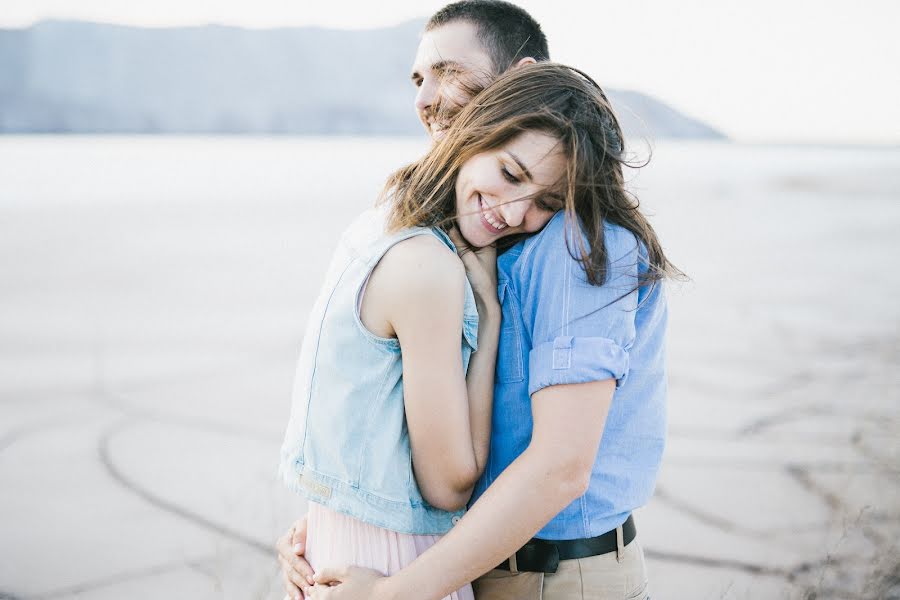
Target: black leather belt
543,556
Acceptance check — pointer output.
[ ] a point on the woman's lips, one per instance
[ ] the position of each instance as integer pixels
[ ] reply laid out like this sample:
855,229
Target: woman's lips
484,222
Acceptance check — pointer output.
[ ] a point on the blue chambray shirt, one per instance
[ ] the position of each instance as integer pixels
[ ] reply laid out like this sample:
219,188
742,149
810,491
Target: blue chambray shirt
558,329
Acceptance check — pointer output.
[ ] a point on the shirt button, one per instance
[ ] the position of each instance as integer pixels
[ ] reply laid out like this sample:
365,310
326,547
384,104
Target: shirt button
454,520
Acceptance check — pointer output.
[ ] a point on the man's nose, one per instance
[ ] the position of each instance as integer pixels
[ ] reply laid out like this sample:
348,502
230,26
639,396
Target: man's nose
513,212
427,94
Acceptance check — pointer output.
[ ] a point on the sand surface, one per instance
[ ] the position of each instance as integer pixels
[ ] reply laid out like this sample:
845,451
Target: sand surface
153,293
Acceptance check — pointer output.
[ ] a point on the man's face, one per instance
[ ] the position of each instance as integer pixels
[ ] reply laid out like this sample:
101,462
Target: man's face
450,63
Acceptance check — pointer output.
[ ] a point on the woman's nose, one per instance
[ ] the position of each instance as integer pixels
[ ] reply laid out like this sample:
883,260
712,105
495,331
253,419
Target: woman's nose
513,211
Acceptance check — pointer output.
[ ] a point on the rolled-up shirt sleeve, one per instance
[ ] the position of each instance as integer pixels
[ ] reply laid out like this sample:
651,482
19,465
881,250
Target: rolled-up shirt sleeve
579,332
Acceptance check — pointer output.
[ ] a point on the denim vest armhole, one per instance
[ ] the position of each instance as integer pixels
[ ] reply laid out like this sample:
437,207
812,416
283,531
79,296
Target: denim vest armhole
387,344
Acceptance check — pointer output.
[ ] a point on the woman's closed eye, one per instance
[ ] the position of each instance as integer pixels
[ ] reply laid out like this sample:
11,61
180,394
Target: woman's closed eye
509,176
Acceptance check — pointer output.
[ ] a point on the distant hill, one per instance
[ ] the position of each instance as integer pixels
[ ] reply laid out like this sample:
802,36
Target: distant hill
76,77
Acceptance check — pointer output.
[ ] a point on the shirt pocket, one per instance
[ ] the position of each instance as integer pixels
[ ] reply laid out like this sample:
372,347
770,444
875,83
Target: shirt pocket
510,368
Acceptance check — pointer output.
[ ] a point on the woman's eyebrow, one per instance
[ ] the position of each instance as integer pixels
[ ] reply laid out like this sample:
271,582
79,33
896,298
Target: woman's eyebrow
521,165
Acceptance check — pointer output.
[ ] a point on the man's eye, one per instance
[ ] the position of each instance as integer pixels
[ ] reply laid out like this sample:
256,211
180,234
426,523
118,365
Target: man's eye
509,176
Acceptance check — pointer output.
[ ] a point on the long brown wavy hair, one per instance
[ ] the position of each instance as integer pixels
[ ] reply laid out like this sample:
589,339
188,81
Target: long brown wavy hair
557,100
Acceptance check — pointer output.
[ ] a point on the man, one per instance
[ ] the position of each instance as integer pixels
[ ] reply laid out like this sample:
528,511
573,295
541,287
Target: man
464,47
552,509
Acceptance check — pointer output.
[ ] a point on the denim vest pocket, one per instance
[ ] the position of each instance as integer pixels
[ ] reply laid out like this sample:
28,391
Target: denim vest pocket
509,355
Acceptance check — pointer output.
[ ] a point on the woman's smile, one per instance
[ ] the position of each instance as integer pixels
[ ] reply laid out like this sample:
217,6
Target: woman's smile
491,221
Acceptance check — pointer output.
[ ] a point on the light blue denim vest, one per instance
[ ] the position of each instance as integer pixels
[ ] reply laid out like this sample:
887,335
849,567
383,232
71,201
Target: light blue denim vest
347,444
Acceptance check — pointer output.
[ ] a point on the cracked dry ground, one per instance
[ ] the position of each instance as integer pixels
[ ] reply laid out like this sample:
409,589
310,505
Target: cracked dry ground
146,357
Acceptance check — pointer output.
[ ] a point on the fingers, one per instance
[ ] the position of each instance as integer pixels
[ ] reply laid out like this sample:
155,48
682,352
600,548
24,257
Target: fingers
323,592
462,246
293,563
299,535
456,237
292,589
283,546
288,554
330,575
301,570
296,585
300,566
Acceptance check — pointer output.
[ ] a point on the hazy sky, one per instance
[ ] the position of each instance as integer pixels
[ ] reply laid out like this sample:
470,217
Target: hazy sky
760,70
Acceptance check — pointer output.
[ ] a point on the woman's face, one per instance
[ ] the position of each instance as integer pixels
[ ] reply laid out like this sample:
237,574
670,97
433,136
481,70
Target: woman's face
489,187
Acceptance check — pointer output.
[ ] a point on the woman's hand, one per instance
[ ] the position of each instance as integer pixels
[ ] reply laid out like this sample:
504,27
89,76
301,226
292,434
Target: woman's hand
481,268
296,573
347,583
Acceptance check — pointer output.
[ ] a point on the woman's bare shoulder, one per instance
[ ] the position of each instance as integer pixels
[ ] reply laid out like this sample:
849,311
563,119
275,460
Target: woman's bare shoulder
423,264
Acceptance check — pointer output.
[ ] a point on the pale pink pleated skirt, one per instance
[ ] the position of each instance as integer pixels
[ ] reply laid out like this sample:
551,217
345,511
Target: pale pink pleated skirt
335,539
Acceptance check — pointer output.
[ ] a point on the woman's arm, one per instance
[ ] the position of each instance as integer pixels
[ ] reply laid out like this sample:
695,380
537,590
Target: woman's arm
552,472
481,270
481,267
418,292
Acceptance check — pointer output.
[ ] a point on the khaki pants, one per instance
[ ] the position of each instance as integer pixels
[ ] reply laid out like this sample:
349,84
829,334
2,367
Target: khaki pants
601,577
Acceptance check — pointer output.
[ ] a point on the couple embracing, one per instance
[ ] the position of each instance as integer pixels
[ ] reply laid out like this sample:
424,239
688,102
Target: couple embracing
480,395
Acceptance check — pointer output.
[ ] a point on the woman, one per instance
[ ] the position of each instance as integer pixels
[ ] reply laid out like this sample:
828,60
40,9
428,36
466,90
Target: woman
521,151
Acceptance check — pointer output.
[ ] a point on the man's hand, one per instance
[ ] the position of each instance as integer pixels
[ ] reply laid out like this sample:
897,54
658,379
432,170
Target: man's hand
296,573
347,583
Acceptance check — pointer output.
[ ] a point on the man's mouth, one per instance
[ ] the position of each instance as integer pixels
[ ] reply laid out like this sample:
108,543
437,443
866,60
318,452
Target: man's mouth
489,218
437,127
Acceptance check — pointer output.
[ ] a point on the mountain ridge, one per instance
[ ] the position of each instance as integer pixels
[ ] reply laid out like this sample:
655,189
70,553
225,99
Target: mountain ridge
81,77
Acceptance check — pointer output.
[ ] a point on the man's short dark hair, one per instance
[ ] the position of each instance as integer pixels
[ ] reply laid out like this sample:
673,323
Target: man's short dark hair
507,31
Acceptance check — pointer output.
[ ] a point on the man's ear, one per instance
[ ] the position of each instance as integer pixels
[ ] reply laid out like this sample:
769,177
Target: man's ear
528,60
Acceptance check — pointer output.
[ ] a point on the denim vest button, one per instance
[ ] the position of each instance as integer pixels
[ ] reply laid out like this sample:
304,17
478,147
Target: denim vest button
454,520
